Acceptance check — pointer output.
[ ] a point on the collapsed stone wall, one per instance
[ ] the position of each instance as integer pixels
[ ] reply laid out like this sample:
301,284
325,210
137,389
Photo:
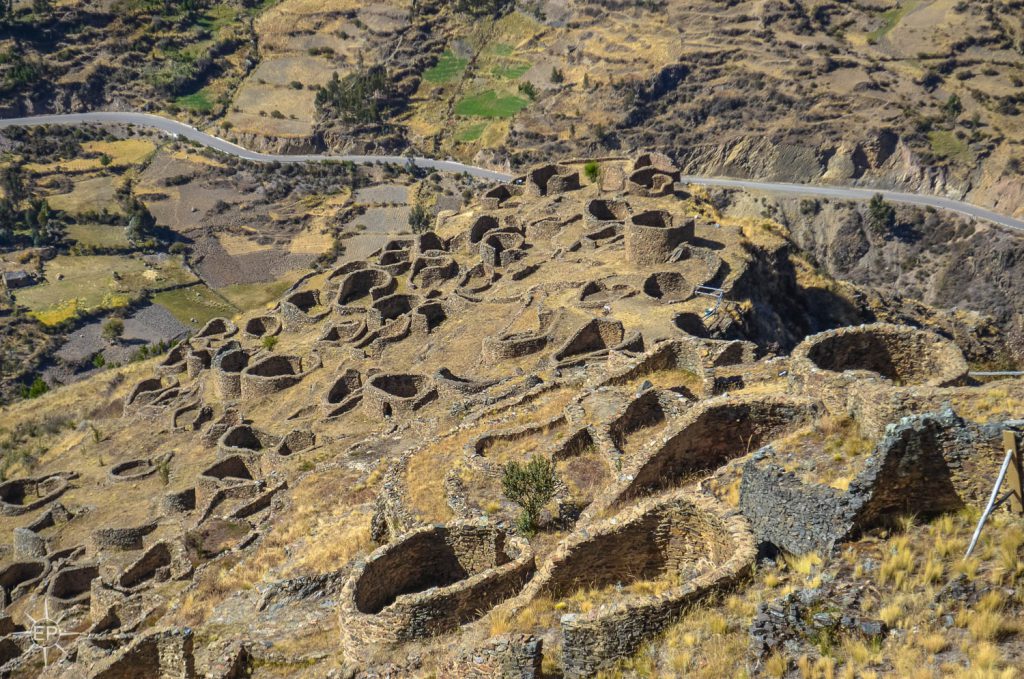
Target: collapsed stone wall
912,470
506,655
595,336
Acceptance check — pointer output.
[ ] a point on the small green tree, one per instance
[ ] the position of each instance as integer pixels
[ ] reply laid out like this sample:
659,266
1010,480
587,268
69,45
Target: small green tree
557,76
113,329
419,218
953,108
528,89
531,486
36,389
592,170
269,342
881,215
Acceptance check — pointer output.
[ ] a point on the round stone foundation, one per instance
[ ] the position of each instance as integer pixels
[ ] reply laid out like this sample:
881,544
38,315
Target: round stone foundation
429,582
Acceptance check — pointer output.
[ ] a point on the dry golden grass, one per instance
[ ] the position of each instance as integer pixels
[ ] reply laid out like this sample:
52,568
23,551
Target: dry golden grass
803,564
898,566
311,538
236,245
993,402
776,665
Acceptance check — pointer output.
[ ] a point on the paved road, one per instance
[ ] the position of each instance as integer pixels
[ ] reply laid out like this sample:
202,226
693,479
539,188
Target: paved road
815,191
189,132
847,193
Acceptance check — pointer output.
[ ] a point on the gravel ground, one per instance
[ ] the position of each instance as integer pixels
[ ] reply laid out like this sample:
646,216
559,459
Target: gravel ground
382,194
148,325
360,246
219,269
384,219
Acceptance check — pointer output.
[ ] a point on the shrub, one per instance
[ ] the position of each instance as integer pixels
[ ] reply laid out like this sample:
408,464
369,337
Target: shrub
113,329
36,389
419,218
528,89
360,97
592,170
881,215
269,342
531,486
556,75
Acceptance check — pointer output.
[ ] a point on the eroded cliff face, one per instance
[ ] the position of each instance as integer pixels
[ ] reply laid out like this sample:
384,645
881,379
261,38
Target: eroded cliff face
879,159
930,257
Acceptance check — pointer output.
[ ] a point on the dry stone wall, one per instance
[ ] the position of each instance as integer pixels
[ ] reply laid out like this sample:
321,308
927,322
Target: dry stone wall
911,471
429,582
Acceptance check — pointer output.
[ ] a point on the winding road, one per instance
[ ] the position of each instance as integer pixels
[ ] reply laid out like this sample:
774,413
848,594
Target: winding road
180,129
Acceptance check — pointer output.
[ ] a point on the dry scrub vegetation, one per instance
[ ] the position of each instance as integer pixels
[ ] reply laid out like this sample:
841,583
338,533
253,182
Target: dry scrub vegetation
901,573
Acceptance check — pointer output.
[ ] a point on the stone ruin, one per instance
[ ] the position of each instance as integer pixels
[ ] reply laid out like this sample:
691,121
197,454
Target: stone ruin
387,394
567,326
301,309
652,237
913,469
552,179
430,582
20,496
275,373
262,326
653,175
689,537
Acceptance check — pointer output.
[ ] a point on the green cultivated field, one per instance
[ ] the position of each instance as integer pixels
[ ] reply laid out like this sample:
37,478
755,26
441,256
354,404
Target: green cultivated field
98,235
449,67
197,101
196,301
471,133
82,283
510,71
491,105
247,296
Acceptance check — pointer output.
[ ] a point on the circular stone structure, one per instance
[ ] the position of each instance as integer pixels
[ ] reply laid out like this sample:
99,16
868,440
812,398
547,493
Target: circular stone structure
429,582
898,353
132,470
217,328
651,237
691,540
20,496
275,373
262,326
388,394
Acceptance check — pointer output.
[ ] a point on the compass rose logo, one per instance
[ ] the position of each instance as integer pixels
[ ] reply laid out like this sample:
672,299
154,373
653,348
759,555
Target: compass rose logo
46,634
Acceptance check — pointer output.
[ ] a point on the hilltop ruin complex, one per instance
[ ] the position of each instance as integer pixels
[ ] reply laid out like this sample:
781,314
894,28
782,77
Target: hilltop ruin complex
664,362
